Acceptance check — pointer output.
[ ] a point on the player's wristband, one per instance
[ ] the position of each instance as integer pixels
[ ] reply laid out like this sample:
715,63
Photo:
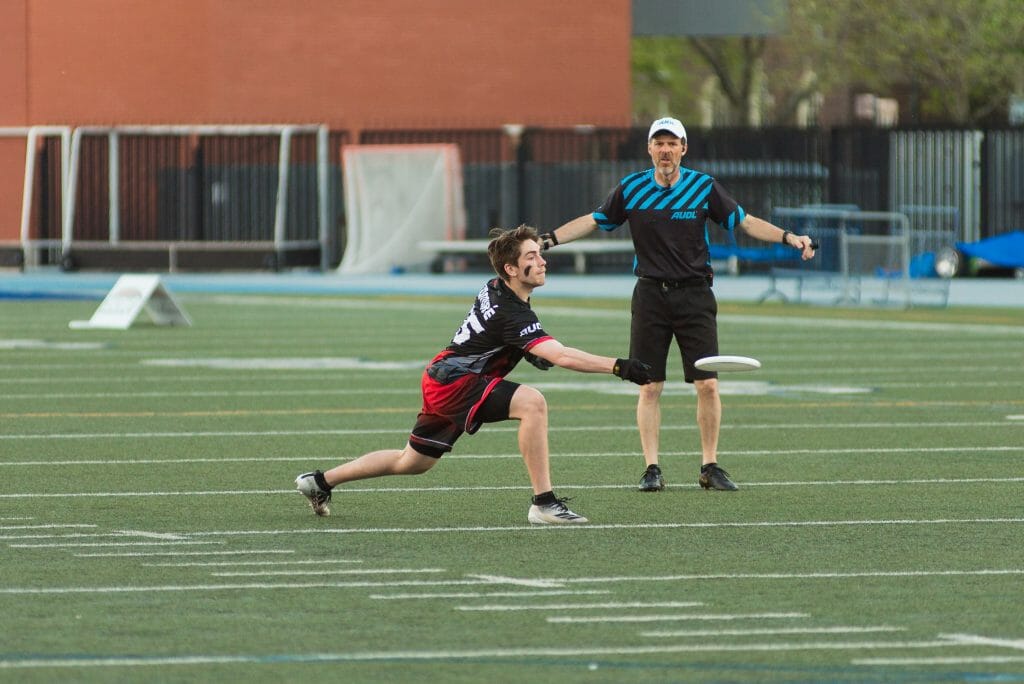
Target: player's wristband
548,240
785,238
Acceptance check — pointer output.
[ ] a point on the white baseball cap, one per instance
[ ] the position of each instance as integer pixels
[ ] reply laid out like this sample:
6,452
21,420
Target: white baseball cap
669,125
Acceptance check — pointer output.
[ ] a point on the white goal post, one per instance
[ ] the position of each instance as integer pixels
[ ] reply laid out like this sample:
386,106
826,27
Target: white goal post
397,196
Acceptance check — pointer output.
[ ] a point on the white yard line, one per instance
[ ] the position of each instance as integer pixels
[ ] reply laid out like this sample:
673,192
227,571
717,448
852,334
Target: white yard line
768,631
555,652
506,607
710,617
305,458
84,544
490,594
207,564
442,489
942,660
144,554
319,573
249,586
568,428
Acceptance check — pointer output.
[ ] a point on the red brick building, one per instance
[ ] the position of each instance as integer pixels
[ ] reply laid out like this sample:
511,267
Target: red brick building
352,64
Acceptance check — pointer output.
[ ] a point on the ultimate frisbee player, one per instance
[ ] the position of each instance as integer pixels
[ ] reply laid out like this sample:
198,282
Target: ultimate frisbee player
464,386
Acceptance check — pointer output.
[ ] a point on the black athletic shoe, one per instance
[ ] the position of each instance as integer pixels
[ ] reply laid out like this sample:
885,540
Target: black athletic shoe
713,477
652,481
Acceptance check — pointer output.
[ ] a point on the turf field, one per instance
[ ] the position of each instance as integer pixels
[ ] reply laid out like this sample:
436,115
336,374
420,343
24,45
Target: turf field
150,531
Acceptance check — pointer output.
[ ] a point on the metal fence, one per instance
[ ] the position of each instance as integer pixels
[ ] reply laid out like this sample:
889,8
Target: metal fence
204,186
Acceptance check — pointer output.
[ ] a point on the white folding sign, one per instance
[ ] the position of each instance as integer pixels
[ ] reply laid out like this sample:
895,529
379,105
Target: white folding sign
131,295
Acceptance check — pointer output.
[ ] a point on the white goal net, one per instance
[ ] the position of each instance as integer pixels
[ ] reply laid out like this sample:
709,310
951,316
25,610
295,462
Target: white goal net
396,196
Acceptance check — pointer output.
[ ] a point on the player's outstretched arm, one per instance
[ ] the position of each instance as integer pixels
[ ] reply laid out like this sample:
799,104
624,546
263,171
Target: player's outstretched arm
571,358
567,232
762,230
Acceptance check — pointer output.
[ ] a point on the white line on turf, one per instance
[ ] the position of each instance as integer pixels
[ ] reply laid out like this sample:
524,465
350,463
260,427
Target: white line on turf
140,554
942,660
550,652
305,458
521,581
491,594
978,640
768,631
77,545
498,608
249,586
9,528
566,428
319,573
441,489
711,617
207,564
594,526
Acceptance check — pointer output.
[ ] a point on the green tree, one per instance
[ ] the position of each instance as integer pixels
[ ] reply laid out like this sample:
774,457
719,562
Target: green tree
962,58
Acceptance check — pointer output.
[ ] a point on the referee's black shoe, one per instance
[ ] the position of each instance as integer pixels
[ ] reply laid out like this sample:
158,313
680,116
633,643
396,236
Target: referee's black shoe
713,477
651,481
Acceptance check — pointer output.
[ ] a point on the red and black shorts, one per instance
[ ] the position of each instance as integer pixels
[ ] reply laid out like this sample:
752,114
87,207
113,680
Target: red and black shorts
462,405
663,310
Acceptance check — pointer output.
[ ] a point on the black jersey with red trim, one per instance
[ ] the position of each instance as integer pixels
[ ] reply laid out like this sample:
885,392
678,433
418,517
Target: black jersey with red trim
499,329
669,225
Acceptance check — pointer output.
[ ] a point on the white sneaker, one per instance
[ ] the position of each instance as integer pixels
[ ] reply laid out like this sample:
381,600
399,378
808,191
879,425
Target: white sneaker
553,514
317,497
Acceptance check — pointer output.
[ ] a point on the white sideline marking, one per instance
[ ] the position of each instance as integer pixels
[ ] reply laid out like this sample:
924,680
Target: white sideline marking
557,529
10,528
498,579
768,631
140,554
491,594
464,655
799,575
564,454
572,619
152,535
581,606
77,535
360,571
942,660
405,430
441,489
243,587
206,564
1015,417
73,545
977,640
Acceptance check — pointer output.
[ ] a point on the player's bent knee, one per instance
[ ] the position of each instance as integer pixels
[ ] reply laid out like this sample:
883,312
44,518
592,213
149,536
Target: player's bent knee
706,388
412,462
527,401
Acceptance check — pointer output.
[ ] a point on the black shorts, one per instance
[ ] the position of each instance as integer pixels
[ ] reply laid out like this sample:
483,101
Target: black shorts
457,407
663,311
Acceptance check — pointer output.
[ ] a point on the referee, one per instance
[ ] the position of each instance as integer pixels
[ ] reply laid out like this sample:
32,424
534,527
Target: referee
668,207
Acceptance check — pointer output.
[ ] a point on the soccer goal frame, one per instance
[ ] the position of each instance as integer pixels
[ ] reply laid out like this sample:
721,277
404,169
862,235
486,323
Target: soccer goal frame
71,173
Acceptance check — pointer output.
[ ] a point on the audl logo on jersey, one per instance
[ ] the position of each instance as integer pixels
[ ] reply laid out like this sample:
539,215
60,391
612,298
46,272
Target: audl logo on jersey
683,215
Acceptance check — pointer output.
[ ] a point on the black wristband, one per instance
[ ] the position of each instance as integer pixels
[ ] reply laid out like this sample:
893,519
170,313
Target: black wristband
548,240
785,236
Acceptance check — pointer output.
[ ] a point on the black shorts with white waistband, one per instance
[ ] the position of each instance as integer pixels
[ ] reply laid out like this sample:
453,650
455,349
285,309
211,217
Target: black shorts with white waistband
663,310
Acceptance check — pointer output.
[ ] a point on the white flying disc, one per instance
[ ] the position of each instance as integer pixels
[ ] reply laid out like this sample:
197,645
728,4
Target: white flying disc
727,363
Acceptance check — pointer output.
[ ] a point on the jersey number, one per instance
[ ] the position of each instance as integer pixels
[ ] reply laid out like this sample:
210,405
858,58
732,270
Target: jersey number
469,326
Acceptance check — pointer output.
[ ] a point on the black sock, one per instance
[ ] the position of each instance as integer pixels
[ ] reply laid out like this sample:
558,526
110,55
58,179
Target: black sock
705,467
545,499
321,482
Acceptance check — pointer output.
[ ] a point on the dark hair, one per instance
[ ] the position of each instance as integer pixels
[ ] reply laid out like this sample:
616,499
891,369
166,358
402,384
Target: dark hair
504,246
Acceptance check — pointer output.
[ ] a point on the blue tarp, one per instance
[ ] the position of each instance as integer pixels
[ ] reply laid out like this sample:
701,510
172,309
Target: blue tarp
1006,250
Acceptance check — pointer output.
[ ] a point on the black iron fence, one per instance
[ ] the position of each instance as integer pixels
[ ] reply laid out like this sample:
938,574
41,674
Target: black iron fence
223,188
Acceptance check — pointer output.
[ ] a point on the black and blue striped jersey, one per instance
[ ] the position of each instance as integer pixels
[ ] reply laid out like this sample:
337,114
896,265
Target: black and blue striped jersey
669,225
